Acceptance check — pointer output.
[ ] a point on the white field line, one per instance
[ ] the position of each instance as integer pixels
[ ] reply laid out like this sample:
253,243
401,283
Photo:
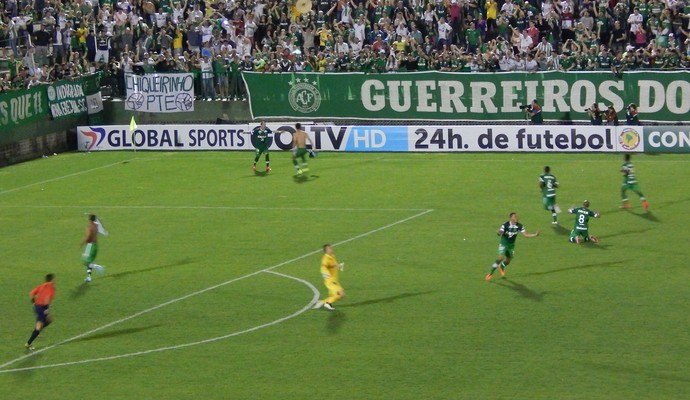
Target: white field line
198,292
224,208
308,307
241,156
86,171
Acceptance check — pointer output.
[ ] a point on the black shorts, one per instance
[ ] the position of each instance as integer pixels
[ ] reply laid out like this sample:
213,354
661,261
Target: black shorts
41,313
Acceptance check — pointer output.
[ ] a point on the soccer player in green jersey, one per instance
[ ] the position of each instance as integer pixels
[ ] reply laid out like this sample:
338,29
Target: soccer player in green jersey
548,184
506,248
261,141
630,182
580,232
90,244
300,151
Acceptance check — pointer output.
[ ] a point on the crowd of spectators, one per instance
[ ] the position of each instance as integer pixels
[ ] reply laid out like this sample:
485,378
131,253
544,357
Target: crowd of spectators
48,40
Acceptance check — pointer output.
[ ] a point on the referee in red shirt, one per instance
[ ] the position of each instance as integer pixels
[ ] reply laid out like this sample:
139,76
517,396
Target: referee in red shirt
41,297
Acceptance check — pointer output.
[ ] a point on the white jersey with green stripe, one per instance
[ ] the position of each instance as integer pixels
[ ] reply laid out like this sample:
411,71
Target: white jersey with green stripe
549,183
629,173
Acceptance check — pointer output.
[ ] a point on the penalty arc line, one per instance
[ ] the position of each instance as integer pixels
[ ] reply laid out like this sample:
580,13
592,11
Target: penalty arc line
208,289
308,307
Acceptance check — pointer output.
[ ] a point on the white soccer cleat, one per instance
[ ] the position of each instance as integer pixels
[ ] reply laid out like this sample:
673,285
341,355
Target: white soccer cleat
328,306
318,304
87,279
554,223
100,270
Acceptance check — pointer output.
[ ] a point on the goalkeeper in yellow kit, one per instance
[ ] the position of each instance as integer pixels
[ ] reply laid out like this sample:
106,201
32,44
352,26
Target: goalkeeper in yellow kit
329,270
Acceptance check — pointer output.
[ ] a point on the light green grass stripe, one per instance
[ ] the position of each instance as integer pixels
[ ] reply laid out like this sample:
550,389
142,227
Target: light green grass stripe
86,171
229,208
308,307
208,289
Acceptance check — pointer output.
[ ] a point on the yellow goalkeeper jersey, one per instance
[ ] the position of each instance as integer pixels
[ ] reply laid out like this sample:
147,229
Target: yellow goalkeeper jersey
329,267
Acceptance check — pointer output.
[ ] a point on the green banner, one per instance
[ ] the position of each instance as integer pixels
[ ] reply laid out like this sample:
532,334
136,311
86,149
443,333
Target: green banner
66,98
92,92
563,96
22,106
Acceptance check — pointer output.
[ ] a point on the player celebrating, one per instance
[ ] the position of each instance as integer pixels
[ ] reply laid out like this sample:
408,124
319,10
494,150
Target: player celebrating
41,297
548,185
299,149
506,248
580,232
261,141
630,182
91,246
329,270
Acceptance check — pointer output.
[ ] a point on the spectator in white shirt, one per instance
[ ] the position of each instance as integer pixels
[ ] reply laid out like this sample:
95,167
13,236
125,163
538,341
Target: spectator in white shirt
635,21
341,46
444,32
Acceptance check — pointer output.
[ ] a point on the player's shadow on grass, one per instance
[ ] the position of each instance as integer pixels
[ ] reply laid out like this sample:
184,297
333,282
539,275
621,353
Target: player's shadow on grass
670,203
79,291
116,333
626,232
560,230
389,299
592,245
649,216
178,263
335,321
616,264
31,361
260,174
304,178
522,290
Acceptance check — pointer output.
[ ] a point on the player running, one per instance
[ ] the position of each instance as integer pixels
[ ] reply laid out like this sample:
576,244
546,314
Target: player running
90,244
329,270
41,297
299,149
580,232
506,248
548,184
630,182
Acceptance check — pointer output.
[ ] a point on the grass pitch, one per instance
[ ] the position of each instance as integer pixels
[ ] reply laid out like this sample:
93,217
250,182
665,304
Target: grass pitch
211,268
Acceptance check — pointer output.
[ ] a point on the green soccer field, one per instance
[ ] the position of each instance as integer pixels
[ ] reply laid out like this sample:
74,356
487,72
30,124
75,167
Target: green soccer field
211,271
